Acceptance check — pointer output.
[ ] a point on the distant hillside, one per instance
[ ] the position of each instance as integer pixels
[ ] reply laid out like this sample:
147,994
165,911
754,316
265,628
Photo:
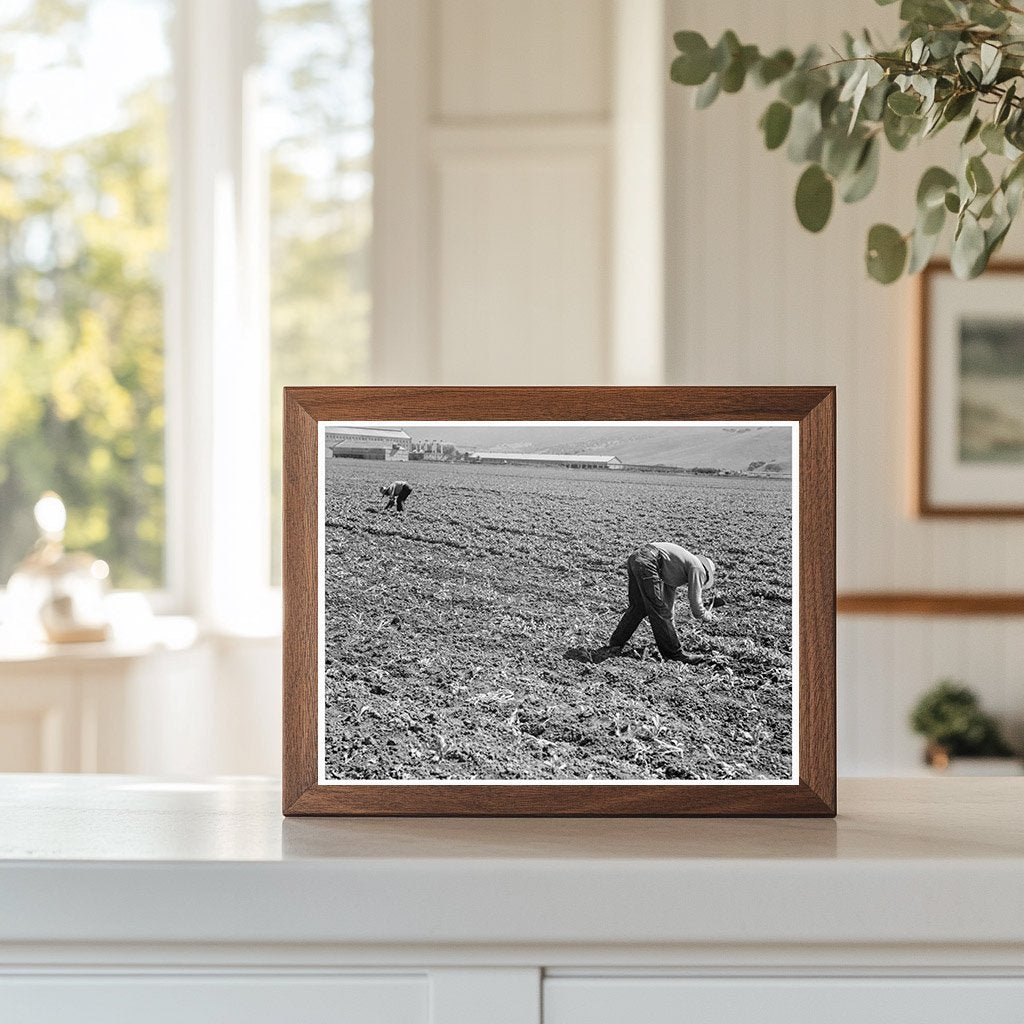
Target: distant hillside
731,448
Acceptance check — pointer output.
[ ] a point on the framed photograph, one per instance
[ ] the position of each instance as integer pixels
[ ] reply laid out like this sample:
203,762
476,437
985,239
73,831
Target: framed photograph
559,601
970,452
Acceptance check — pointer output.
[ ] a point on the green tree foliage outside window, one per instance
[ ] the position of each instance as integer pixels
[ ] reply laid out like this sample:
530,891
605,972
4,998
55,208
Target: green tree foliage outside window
83,229
83,238
318,124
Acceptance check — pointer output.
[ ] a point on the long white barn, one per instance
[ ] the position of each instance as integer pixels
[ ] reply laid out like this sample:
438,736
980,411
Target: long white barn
356,442
567,461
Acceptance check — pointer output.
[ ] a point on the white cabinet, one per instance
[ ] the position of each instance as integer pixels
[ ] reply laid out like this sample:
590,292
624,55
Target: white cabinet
131,898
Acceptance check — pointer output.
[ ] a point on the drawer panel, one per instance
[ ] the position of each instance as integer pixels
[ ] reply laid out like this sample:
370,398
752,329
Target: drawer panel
782,1001
222,999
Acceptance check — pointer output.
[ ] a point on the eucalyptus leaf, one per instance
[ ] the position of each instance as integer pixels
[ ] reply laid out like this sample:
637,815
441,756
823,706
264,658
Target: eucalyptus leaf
827,105
900,130
690,70
993,138
931,221
904,103
865,174
840,152
944,44
794,89
775,123
978,176
735,74
925,86
1005,106
973,130
725,49
814,194
994,235
957,106
693,65
873,106
987,15
922,248
1013,187
933,121
931,191
991,60
931,12
771,69
886,253
707,93
805,133
1014,192
968,248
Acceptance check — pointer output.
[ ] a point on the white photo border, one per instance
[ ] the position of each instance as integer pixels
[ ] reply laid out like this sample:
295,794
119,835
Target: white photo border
323,426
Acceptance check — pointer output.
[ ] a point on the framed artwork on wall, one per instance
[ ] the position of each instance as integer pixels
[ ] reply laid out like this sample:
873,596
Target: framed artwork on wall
970,451
559,601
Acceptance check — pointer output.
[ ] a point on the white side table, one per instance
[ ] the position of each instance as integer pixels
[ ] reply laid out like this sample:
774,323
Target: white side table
102,707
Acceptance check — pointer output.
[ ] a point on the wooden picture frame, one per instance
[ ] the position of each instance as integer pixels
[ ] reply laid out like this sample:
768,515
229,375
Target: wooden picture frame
810,792
941,489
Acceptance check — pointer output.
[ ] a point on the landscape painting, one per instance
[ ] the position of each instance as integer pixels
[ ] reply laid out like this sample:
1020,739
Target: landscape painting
991,389
557,602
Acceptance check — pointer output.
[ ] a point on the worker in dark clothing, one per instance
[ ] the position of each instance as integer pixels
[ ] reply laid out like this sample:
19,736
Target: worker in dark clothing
398,493
656,571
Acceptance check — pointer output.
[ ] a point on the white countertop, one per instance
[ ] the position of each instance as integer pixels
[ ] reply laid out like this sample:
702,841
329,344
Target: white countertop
118,859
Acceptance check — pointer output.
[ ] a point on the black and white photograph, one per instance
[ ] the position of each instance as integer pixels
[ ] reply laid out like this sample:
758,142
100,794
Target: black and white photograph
557,602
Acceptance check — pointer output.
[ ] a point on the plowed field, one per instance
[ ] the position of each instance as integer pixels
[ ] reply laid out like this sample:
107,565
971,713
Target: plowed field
460,635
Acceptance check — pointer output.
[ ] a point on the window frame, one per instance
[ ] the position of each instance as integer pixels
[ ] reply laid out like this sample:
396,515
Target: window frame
217,552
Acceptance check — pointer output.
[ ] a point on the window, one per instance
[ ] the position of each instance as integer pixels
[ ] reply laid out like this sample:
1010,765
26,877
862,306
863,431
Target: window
317,118
83,235
167,264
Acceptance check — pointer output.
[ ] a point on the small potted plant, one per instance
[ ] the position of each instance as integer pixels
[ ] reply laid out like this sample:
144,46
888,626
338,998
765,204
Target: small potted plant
950,717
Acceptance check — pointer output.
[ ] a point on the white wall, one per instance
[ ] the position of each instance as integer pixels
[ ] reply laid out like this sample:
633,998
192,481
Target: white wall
500,198
521,230
753,299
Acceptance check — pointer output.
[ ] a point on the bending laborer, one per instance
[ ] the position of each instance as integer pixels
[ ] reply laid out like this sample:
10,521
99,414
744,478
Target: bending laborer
398,492
656,571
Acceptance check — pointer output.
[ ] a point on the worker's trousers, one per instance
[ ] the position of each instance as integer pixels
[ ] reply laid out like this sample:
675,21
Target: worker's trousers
647,600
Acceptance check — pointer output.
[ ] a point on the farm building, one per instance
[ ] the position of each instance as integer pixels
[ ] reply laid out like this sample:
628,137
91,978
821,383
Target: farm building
566,461
381,443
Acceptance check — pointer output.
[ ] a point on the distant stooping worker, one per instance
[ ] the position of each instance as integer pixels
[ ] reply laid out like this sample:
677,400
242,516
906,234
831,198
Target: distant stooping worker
398,492
656,571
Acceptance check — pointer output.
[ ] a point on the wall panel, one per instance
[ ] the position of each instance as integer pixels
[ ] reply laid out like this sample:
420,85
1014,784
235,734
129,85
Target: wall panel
521,295
531,58
751,298
495,210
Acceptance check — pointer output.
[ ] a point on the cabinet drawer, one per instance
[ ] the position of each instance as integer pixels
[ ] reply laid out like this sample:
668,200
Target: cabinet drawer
221,999
782,1001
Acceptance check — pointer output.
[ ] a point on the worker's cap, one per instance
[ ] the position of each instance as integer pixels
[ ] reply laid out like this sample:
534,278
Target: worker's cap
709,570
384,490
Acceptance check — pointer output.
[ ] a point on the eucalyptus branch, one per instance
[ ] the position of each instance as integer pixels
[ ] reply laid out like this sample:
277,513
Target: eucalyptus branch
954,60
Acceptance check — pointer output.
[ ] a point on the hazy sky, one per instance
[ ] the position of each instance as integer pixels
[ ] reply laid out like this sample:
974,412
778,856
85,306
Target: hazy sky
733,446
545,435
